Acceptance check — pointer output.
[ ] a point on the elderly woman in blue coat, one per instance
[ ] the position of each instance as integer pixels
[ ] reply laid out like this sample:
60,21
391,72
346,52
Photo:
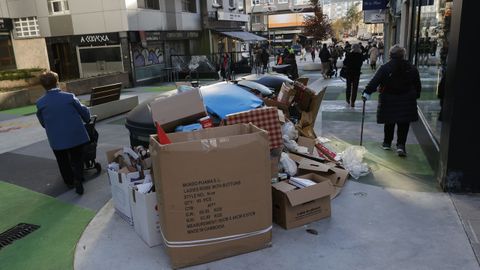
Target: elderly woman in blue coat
63,117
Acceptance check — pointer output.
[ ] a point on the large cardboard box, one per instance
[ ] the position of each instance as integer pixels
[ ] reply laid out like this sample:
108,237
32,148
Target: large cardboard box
145,217
213,190
182,108
294,207
120,182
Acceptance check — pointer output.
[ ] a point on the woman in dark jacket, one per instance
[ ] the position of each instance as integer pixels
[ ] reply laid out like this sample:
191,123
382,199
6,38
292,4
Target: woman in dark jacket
399,90
353,64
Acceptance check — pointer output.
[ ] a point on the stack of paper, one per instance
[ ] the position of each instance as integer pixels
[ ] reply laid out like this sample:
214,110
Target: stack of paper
301,182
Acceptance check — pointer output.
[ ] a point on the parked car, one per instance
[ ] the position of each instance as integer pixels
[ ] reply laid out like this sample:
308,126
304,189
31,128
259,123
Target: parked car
365,36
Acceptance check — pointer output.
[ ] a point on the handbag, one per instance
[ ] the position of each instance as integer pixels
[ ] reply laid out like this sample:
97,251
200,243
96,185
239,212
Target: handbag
343,72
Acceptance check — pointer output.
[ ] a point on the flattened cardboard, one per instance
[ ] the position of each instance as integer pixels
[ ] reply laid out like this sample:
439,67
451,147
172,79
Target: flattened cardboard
182,108
307,121
303,96
307,205
307,142
211,184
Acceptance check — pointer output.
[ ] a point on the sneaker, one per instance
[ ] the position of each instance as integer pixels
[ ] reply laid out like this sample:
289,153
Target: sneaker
386,146
401,151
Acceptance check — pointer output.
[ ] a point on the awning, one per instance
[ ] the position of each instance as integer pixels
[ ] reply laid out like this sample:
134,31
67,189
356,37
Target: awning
243,36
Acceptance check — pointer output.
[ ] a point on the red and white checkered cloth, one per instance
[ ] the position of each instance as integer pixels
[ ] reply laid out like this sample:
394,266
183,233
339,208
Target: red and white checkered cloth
265,118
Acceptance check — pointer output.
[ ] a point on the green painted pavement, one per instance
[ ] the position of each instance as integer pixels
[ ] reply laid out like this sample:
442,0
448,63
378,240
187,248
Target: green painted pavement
52,246
162,88
389,170
348,116
25,110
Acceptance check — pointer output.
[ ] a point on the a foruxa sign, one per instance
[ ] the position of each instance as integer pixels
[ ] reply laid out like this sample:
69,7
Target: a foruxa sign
97,39
94,39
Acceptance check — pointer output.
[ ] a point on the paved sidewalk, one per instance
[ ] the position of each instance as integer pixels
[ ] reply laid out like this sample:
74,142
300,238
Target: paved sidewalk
394,218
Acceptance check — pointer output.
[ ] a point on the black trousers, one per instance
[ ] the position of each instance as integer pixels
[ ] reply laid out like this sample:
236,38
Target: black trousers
352,88
402,132
70,163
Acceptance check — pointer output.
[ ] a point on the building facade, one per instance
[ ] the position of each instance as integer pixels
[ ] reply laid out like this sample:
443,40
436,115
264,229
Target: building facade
85,38
280,21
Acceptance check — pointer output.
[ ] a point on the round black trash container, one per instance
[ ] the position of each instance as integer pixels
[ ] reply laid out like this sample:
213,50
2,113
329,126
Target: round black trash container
269,80
140,124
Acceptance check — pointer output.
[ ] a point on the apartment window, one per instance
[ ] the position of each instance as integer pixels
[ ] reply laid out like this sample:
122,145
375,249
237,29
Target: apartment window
26,27
283,1
149,4
256,18
240,5
301,2
58,7
189,6
232,4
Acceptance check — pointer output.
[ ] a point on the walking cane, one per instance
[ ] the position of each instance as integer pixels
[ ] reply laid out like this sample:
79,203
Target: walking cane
363,120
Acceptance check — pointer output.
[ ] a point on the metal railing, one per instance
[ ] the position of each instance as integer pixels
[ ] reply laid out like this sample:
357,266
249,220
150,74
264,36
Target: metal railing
210,65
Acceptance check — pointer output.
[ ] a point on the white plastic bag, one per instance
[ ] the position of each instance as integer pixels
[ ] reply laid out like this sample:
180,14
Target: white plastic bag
289,130
289,166
352,161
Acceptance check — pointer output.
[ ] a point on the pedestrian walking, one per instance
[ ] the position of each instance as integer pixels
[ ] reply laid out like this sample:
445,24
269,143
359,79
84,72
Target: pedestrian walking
265,57
348,47
303,54
325,58
373,53
312,53
353,63
225,66
380,51
334,52
291,60
399,88
258,59
63,117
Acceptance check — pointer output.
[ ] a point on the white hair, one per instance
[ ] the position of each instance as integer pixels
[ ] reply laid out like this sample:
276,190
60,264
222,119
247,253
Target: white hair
397,52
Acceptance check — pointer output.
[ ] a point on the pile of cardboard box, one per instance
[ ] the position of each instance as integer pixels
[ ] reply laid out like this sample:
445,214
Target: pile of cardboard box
218,189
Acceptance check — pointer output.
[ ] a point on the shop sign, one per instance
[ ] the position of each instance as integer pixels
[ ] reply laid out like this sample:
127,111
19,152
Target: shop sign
374,4
228,16
375,16
97,39
157,36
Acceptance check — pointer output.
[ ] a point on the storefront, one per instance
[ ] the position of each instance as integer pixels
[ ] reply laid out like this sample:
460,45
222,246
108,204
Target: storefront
427,49
7,56
152,52
84,56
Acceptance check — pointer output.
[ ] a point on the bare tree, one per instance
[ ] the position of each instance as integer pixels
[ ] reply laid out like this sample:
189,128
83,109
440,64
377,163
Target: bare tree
318,26
353,17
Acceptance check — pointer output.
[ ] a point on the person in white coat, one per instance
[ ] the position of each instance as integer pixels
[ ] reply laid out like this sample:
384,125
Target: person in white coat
373,53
